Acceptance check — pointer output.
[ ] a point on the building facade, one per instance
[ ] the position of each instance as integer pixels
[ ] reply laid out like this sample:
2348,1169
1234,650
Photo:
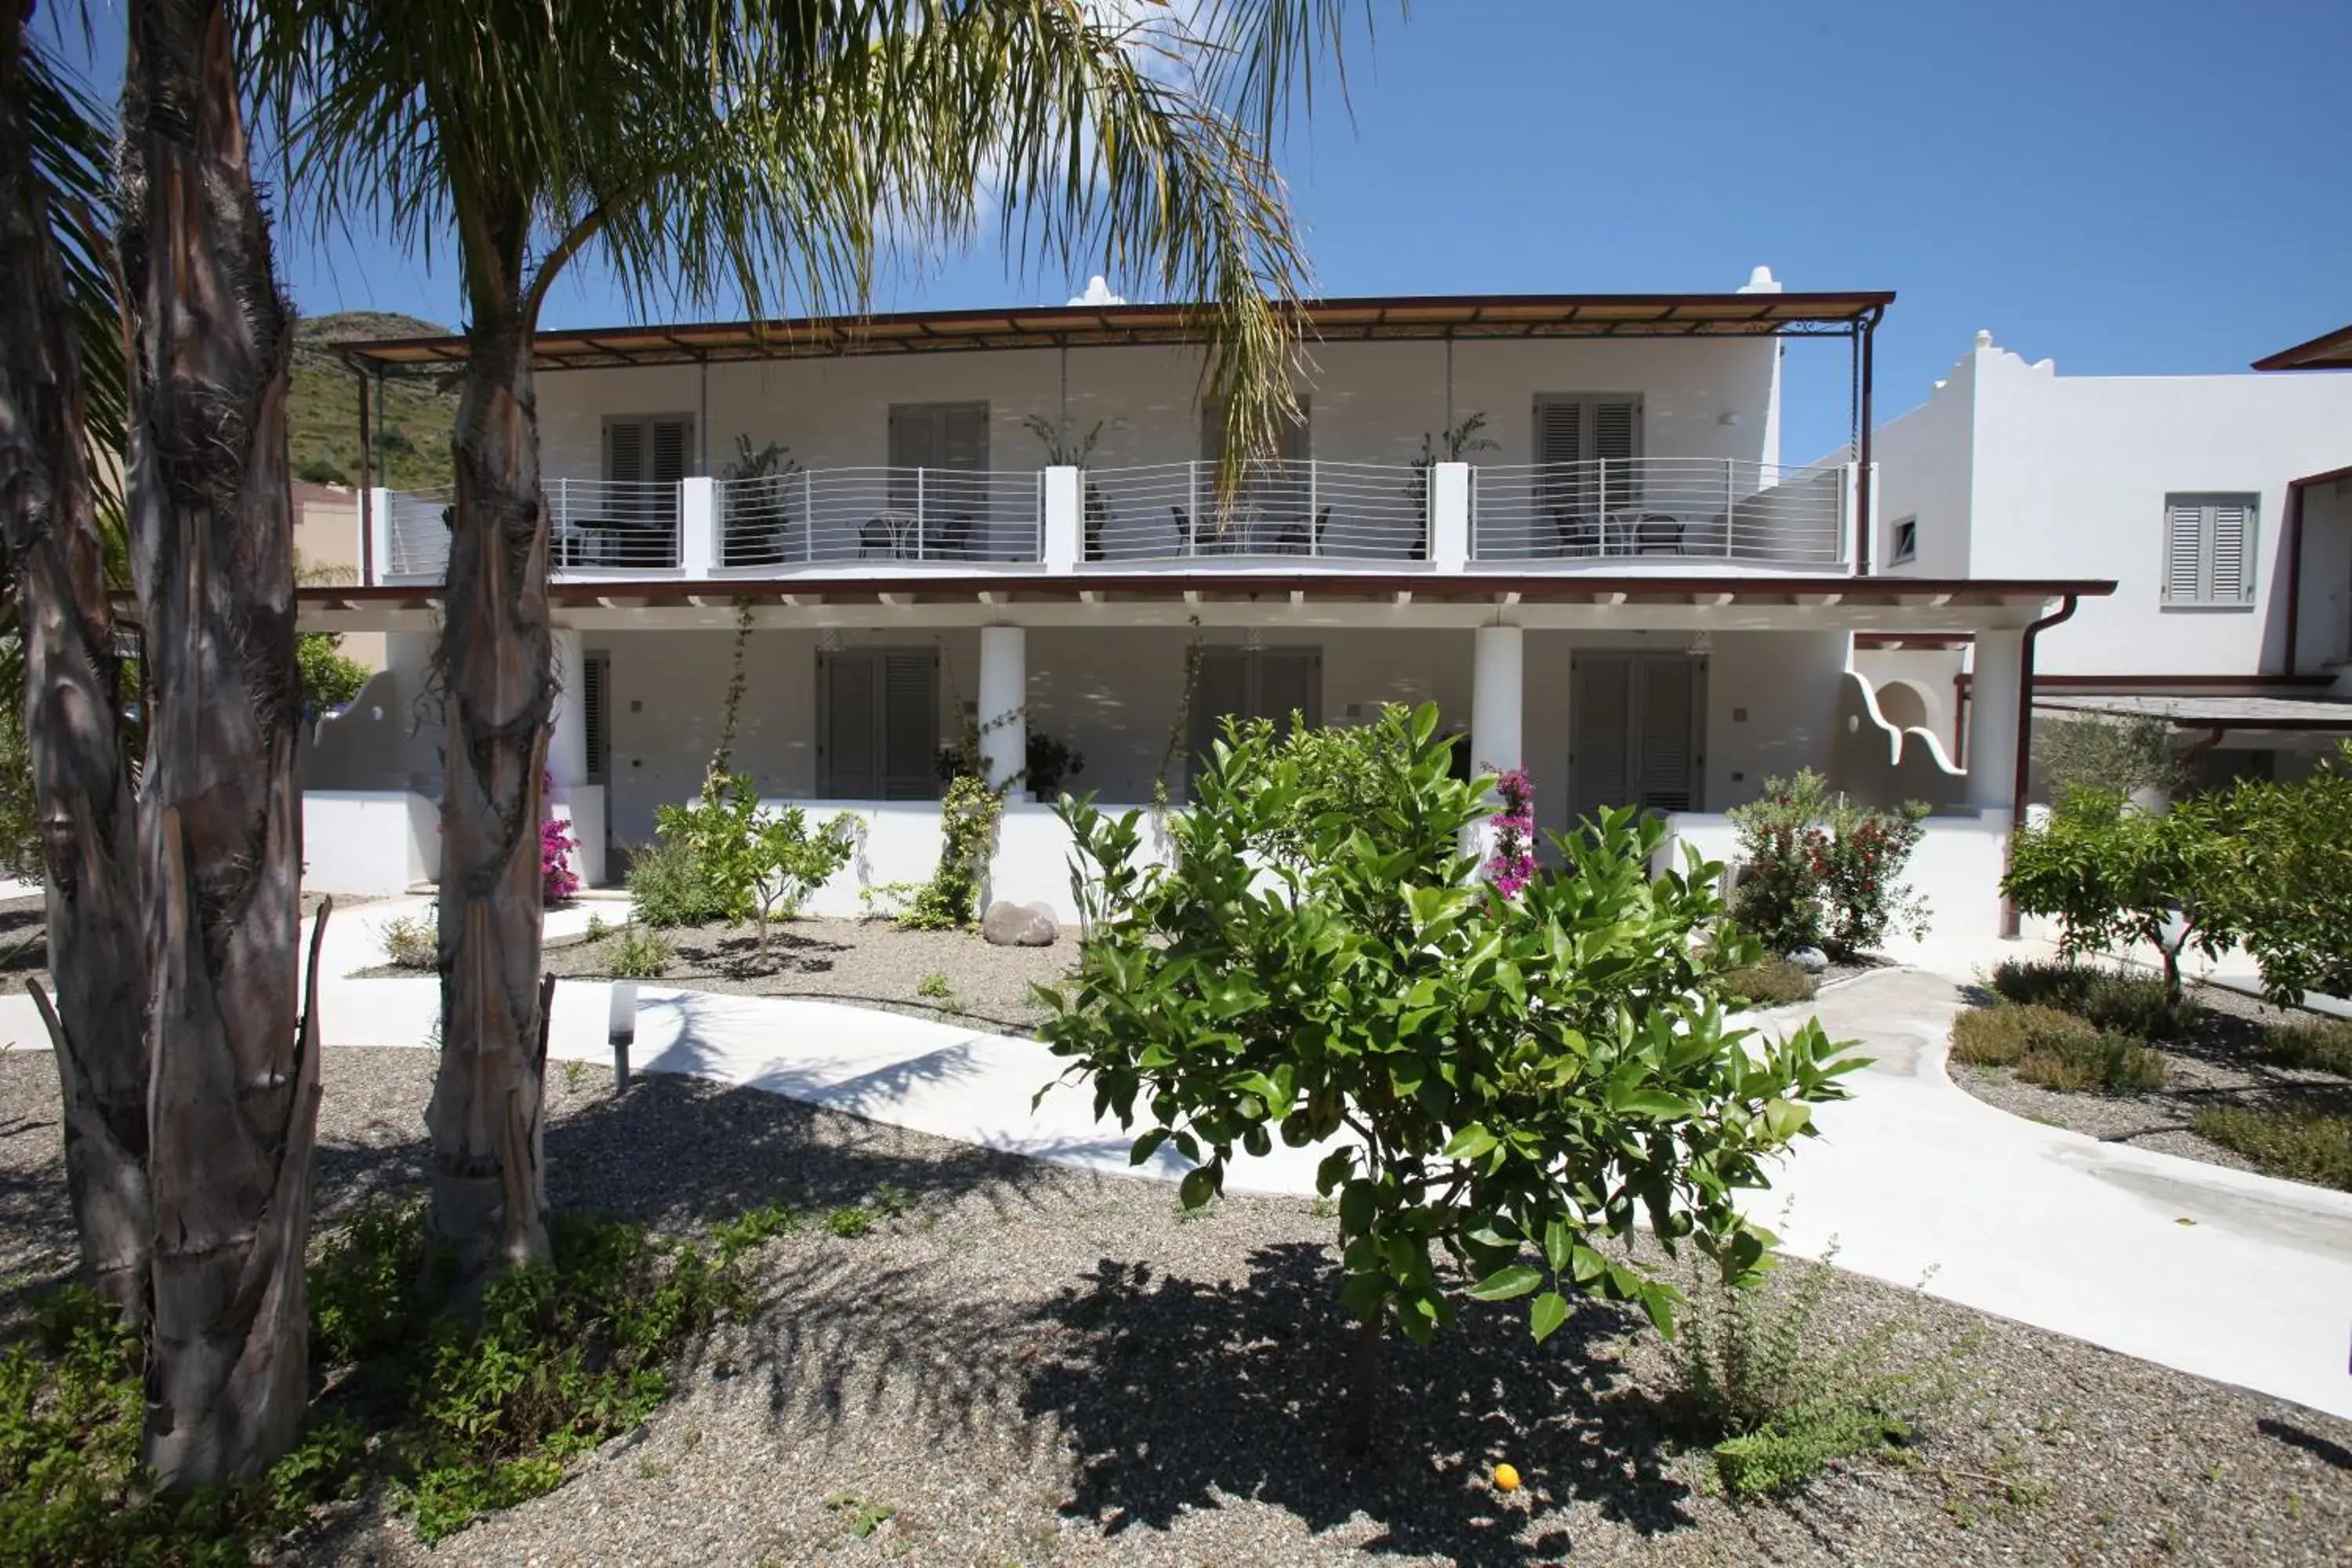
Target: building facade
1565,519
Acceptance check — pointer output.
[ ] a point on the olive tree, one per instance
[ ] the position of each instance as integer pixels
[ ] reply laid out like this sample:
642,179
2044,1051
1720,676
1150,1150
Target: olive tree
2114,875
1502,1083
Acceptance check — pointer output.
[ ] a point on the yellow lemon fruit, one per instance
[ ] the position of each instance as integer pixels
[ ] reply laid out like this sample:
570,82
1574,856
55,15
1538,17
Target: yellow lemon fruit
1506,1478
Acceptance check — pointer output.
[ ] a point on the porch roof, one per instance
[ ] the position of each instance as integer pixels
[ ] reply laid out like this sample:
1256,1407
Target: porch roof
1401,317
2330,351
1795,603
2223,712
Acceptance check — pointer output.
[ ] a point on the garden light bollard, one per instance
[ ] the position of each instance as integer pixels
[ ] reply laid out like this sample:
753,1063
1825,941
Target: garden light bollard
622,1031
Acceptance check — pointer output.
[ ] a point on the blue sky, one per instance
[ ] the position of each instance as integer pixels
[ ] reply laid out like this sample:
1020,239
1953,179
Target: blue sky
2128,186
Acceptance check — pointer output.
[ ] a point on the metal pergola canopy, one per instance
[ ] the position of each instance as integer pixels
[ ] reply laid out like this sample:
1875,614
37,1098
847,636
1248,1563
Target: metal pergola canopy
1399,319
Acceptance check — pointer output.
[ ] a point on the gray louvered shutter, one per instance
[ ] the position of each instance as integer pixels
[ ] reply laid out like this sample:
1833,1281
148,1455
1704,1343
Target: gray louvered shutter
1289,679
1220,690
1666,720
1616,442
2231,533
1559,430
910,723
2184,551
670,439
625,450
852,749
595,708
1600,713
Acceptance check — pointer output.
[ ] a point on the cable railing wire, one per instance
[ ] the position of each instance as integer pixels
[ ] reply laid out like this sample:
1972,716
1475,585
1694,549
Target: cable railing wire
880,514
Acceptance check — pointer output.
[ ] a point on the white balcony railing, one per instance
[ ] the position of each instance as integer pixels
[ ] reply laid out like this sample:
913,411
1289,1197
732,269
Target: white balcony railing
415,529
1169,512
614,524
878,515
1716,508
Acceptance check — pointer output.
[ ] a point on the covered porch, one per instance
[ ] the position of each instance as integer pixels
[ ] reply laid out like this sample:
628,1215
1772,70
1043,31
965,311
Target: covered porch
1678,696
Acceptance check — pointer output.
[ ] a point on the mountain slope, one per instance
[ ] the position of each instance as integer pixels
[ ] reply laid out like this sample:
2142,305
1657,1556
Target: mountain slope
322,418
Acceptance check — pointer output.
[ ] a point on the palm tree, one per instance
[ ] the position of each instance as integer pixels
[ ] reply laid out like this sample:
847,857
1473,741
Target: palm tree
234,1087
58,315
693,145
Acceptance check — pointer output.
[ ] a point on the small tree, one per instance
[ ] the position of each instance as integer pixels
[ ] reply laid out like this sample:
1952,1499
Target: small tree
2106,753
2283,878
1506,1082
330,678
2113,874
1823,870
758,864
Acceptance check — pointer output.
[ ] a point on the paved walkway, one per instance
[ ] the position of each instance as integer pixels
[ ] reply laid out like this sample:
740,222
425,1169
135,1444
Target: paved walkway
1912,1178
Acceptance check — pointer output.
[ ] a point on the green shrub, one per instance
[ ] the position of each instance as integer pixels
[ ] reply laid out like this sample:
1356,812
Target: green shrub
849,1222
2301,1145
1821,871
412,942
1502,1070
667,887
1997,1036
1774,983
2317,1046
2128,1004
2101,1063
638,954
1776,1394
329,677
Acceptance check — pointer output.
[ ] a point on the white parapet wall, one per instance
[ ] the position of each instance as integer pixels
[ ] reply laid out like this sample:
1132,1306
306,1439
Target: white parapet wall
898,842
376,842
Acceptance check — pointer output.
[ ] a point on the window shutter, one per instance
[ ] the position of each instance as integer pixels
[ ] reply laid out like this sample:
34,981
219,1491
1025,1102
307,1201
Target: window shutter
595,707
1559,431
1600,712
963,437
2231,578
2184,550
851,748
1615,429
910,723
625,450
670,439
1668,704
1289,679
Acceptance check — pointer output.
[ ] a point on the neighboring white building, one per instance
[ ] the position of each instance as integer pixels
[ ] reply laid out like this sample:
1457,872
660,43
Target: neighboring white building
2221,505
1009,516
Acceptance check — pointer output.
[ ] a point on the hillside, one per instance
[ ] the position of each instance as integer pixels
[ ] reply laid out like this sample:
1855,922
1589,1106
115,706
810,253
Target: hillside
322,410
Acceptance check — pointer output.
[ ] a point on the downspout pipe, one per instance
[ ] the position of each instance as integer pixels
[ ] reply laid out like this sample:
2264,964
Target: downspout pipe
2065,611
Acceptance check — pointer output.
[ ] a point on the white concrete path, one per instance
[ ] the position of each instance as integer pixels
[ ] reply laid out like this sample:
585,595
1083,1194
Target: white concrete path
1912,1178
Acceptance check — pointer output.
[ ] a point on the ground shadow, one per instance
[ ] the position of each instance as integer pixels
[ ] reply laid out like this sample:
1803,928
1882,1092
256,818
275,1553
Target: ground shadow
1258,1370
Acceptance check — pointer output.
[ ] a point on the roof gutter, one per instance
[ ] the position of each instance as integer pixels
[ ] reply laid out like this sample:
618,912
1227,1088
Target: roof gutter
2065,611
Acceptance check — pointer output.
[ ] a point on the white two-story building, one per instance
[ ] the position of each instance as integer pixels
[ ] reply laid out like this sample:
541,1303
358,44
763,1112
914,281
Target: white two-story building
1608,575
2221,505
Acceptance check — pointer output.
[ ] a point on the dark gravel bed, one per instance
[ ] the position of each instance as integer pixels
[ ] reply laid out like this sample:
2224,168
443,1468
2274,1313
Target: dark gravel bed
873,962
2215,1067
1036,1366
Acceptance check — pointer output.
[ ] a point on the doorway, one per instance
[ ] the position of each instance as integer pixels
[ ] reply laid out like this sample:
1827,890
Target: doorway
1637,731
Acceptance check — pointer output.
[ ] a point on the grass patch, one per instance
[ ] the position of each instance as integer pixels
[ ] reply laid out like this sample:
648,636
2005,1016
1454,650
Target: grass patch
1997,1036
2132,1005
412,942
1776,1394
1774,983
2301,1146
2319,1045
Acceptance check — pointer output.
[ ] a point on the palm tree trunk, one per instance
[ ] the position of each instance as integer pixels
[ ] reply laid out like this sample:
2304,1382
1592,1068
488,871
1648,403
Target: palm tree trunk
233,1095
490,1189
81,781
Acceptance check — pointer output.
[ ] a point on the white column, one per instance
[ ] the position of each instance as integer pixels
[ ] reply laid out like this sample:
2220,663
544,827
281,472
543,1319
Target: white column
1993,720
698,527
1003,701
1497,711
379,523
1065,519
1449,516
572,796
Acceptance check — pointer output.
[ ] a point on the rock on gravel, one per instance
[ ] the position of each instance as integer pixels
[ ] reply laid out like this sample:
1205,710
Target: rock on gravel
1008,924
1036,1366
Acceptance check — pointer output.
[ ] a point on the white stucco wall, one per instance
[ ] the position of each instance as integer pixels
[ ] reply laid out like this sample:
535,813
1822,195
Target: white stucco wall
1369,402
376,842
2061,475
2325,632
1956,868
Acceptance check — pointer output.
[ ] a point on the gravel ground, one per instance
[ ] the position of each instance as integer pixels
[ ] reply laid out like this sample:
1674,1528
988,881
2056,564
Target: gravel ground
2217,1067
24,941
873,962
1039,1365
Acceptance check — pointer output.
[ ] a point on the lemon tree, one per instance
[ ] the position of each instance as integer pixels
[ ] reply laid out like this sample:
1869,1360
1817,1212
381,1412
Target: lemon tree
1502,1083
